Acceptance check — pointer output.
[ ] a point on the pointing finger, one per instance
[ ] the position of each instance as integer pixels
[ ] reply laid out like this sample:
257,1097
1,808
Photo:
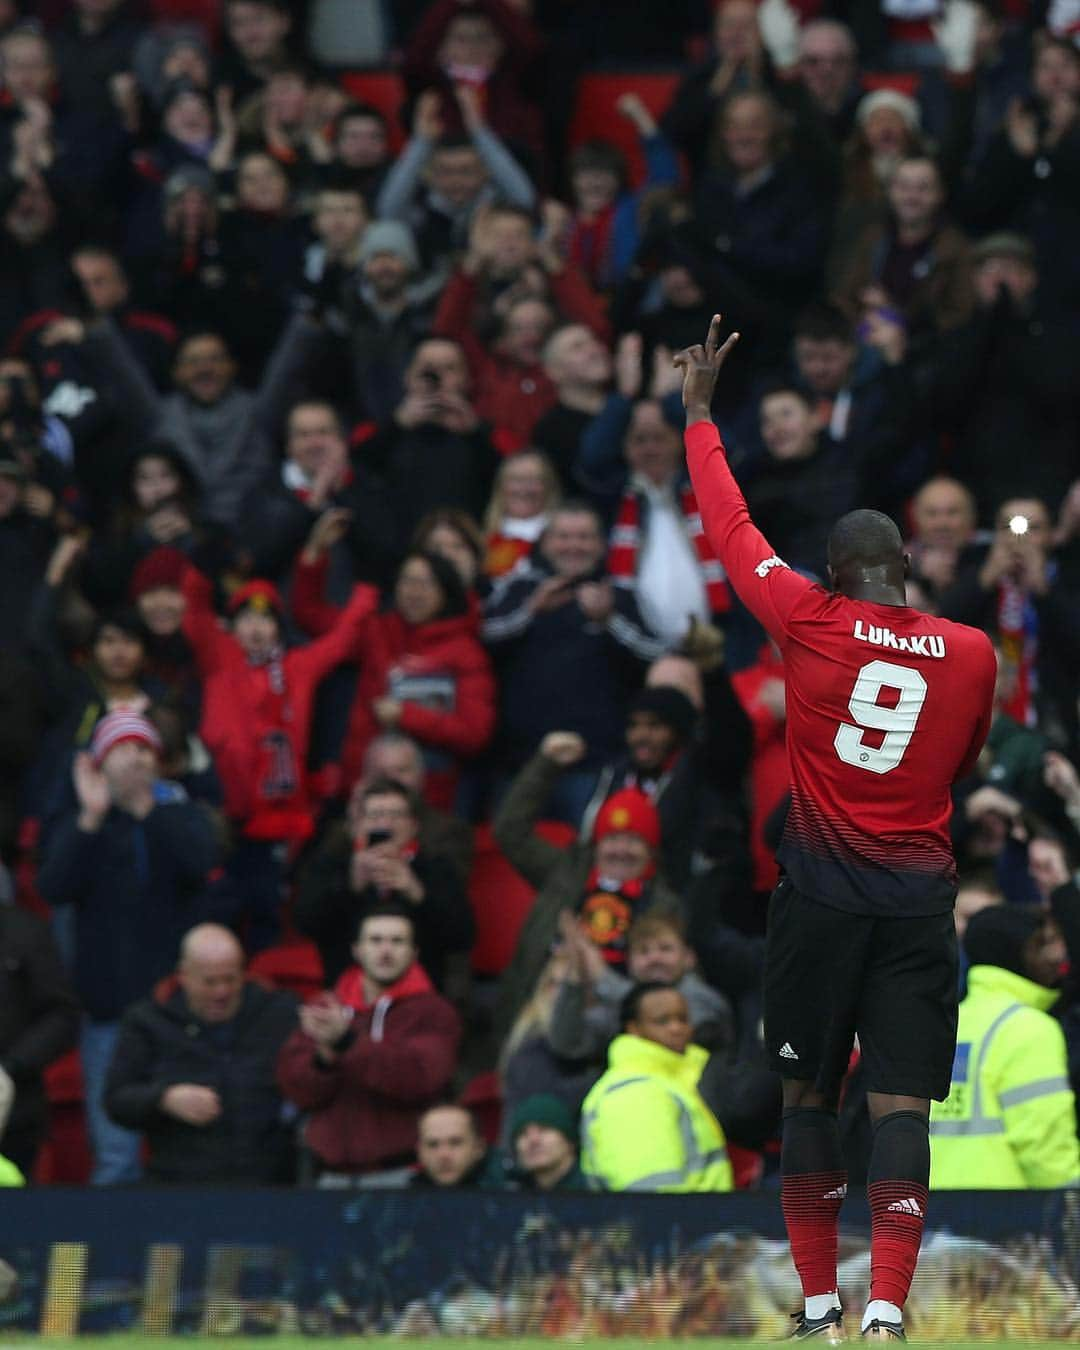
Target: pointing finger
721,355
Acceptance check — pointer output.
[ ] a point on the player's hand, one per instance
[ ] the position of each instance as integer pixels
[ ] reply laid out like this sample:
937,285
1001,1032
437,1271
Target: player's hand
192,1104
564,748
700,367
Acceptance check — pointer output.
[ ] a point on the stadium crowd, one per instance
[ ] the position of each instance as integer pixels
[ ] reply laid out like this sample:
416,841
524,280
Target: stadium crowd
352,587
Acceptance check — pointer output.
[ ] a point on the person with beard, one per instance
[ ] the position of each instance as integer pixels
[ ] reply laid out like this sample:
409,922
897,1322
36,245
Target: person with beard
690,768
386,315
372,1056
1010,1117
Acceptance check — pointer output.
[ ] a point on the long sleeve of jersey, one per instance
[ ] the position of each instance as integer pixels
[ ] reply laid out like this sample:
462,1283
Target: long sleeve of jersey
765,584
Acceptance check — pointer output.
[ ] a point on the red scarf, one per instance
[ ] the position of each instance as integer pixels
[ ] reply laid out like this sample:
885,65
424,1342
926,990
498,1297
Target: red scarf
606,913
626,541
350,988
1019,647
590,245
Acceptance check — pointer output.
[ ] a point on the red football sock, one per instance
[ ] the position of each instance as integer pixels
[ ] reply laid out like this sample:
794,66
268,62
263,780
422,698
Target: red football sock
897,1214
811,1204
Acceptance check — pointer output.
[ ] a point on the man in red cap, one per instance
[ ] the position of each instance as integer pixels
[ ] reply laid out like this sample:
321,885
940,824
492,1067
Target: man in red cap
607,882
256,722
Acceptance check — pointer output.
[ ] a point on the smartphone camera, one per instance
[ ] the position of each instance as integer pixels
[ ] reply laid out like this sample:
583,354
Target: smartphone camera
1018,525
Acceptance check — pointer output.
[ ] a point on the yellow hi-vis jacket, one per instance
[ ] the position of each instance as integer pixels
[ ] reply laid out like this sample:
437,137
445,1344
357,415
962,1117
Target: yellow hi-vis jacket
645,1126
1009,1121
9,1173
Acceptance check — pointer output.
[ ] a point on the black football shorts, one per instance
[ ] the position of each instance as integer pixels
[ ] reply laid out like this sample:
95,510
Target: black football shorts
831,975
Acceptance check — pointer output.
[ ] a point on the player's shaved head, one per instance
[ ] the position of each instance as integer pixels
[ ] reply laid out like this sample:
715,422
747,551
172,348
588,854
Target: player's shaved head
865,554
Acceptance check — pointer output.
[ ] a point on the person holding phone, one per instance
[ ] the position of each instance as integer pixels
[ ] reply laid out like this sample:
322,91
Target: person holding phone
385,862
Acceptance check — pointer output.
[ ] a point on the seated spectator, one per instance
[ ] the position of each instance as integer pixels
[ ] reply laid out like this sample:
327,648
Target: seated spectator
451,1153
422,668
1010,1117
371,1057
645,1125
39,1021
461,175
915,258
525,492
488,50
558,611
943,516
607,882
434,451
193,1070
134,857
585,1017
1003,379
519,286
262,757
316,499
544,1140
658,549
378,856
579,367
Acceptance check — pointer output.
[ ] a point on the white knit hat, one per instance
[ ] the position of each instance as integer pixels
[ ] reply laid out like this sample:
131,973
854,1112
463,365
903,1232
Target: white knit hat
906,108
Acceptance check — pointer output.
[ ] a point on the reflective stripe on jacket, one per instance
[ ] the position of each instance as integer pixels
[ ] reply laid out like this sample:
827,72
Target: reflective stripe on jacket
645,1126
1009,1121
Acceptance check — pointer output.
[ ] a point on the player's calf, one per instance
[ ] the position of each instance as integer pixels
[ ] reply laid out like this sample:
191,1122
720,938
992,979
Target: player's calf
898,1189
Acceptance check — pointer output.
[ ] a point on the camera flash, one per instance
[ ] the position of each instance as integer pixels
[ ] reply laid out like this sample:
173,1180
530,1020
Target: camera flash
1018,524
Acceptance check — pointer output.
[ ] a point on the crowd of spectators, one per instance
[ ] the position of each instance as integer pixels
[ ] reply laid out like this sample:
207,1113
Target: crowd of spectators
344,523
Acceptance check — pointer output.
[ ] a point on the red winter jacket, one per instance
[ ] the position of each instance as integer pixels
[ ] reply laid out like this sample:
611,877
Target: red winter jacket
770,777
510,396
256,729
439,672
365,1107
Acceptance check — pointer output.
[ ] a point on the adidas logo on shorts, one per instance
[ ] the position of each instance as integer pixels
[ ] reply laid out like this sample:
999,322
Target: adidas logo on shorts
839,1194
786,1051
908,1206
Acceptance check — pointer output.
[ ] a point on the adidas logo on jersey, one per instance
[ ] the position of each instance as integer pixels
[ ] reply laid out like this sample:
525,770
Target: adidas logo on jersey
786,1051
908,1206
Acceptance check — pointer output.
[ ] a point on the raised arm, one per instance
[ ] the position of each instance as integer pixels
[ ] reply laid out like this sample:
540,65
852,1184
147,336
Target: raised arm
764,582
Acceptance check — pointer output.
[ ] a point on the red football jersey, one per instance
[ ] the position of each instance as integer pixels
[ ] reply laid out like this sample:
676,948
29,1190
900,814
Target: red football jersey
886,708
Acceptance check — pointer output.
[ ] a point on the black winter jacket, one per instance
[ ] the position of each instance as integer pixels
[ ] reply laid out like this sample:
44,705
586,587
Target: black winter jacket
162,1043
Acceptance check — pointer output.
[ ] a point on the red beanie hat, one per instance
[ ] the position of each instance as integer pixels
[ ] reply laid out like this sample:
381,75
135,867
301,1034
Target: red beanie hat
160,567
261,594
628,812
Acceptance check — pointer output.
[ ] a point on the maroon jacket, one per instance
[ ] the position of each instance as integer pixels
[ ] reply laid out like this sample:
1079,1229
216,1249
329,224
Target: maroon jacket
365,1107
